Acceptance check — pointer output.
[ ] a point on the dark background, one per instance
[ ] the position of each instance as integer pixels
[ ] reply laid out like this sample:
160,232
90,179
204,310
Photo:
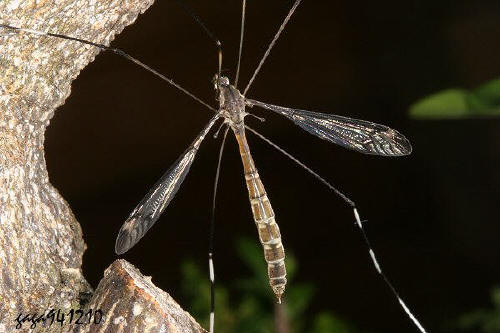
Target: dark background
432,216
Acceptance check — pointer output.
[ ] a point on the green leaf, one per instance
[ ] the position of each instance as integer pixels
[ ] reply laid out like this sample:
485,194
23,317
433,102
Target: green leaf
450,103
486,320
327,323
251,254
252,317
489,94
251,309
298,299
459,103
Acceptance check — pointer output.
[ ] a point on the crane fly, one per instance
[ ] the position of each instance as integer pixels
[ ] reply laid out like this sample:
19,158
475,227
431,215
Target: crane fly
358,135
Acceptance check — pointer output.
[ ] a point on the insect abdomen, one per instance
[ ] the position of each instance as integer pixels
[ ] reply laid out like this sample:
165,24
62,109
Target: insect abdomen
269,233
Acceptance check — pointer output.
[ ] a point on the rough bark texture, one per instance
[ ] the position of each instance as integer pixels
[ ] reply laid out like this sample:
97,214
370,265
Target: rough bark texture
41,243
130,302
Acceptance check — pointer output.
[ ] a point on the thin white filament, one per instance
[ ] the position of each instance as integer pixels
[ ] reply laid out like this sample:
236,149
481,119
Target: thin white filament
379,270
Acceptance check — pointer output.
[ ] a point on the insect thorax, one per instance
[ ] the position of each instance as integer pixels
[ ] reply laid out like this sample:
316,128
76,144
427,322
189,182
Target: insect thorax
231,102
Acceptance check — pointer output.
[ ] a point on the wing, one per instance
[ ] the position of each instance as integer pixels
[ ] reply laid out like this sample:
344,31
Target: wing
154,203
360,135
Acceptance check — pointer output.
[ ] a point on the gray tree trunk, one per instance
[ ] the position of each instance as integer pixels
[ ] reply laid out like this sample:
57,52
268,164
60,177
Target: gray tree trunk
41,243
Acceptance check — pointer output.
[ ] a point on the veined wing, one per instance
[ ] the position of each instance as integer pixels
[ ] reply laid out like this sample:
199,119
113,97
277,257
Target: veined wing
154,203
360,135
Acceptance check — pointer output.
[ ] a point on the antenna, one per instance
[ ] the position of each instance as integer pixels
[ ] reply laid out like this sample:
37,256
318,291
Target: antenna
216,40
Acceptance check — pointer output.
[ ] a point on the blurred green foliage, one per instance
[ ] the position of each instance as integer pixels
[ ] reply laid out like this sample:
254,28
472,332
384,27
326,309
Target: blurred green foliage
483,320
250,306
459,103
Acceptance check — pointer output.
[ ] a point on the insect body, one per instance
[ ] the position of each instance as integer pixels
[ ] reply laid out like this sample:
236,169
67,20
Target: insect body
232,109
232,106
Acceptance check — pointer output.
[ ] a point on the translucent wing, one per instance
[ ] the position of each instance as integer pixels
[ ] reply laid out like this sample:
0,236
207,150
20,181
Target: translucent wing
154,203
360,135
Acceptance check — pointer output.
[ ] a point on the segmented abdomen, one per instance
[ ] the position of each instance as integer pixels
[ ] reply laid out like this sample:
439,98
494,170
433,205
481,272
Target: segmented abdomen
269,233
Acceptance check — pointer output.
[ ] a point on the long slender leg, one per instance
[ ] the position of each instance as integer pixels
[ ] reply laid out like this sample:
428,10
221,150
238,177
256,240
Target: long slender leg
115,51
211,238
358,223
263,214
278,33
242,32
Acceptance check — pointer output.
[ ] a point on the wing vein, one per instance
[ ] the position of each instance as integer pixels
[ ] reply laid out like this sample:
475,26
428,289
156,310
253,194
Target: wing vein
356,134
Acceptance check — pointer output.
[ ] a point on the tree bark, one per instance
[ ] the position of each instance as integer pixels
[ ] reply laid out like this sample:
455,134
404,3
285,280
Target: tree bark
131,303
41,243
